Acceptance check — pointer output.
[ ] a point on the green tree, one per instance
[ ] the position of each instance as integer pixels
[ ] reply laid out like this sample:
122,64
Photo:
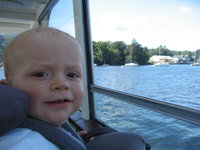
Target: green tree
1,56
101,52
97,53
118,49
113,56
197,56
175,53
138,54
153,51
165,52
2,40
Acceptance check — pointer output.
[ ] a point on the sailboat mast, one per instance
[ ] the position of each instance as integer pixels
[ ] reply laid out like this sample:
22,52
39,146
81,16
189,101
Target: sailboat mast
159,51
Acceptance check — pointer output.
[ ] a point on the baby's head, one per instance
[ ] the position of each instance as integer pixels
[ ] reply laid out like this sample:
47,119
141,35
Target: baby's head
46,64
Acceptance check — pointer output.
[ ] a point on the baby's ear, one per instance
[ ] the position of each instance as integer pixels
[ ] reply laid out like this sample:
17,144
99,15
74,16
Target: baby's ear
4,81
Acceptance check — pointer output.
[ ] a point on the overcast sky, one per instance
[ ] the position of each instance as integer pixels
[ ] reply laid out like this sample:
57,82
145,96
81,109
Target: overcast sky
173,23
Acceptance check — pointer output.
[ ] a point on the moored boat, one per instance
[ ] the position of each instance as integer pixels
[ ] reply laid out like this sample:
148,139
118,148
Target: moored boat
130,64
195,64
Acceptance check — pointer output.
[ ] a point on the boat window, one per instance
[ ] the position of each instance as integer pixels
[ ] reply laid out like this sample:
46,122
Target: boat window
147,48
62,17
160,131
17,17
143,53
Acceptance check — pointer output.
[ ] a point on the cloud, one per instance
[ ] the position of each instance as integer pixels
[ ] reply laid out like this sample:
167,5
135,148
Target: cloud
185,9
123,22
150,31
115,26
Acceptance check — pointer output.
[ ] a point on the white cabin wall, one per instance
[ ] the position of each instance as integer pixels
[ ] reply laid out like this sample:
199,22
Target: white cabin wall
79,34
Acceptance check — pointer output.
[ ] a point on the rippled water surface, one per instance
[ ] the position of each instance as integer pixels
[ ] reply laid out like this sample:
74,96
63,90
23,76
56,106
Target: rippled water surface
178,84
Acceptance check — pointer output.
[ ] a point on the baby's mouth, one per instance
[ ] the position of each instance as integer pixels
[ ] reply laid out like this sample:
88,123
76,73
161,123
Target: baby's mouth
58,101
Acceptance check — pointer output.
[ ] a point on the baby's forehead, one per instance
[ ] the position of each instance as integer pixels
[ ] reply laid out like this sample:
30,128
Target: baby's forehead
39,36
25,44
45,33
30,41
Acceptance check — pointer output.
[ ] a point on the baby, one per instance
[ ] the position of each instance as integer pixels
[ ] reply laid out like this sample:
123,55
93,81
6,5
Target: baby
46,64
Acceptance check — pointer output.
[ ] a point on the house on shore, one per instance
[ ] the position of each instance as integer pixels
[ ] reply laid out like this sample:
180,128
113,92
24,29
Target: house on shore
160,59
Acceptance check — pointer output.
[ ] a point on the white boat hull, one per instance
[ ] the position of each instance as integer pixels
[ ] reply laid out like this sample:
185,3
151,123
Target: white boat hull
130,64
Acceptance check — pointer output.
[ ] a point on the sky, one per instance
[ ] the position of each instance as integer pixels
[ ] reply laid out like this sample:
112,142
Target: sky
171,23
62,17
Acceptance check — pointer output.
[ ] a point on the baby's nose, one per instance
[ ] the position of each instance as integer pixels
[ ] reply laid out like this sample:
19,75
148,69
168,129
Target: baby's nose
60,84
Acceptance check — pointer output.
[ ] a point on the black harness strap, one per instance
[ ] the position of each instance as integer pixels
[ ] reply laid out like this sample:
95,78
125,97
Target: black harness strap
68,128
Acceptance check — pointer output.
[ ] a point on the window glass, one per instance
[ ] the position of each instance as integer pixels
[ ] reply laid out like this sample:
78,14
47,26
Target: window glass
160,131
62,17
5,39
148,47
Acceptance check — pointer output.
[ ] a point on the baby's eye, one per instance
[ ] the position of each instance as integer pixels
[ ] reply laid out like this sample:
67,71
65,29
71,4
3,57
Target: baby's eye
72,75
40,74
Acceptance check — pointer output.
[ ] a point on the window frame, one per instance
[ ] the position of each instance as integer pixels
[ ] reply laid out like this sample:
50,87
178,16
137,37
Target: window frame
83,35
173,110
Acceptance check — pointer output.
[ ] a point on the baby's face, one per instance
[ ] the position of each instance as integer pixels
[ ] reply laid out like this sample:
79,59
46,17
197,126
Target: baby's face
50,72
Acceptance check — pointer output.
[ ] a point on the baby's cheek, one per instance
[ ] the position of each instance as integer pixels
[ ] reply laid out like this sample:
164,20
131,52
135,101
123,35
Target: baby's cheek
35,94
35,97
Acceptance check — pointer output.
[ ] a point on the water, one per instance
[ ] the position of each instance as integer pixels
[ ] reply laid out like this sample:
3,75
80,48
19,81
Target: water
178,84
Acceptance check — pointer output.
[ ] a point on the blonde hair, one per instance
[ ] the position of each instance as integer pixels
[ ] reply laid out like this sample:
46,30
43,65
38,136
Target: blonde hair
10,58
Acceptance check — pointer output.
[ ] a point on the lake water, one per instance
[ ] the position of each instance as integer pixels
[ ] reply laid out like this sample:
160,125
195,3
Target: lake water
177,84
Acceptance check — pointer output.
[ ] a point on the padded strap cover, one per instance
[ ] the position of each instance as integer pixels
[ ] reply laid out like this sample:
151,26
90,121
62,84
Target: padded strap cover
13,108
57,135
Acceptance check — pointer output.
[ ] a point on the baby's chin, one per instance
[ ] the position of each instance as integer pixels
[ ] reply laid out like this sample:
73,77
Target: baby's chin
56,121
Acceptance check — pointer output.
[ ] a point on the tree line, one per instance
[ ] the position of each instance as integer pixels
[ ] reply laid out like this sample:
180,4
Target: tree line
4,41
119,53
